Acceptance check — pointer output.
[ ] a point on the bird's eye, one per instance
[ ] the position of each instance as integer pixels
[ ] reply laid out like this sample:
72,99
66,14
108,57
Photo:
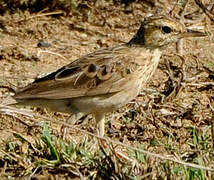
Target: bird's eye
166,29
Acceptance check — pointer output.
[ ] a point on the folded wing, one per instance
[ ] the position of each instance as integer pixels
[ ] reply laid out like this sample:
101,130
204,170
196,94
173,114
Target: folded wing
102,72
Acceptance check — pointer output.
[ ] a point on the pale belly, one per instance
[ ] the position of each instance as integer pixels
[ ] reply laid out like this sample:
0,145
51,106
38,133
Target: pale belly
104,103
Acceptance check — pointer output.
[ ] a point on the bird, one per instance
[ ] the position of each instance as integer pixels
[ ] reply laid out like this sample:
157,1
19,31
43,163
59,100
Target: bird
108,78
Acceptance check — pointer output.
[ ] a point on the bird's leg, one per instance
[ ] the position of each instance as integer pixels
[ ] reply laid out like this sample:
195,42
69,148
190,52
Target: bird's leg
75,117
100,120
71,120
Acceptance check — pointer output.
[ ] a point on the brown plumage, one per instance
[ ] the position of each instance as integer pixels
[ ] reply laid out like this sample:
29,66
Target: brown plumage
107,78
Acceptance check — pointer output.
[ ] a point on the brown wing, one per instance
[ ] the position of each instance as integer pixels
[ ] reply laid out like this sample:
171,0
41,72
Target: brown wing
102,72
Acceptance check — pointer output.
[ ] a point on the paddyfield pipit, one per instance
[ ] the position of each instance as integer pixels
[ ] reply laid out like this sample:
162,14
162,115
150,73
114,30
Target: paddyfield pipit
108,78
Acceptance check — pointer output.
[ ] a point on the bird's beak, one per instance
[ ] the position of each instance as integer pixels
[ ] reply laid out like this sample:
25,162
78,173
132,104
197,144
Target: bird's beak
193,33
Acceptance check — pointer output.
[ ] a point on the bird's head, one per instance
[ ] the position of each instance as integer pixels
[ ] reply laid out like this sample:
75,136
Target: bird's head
160,31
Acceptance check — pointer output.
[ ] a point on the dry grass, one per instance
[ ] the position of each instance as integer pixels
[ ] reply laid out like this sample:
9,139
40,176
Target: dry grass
165,130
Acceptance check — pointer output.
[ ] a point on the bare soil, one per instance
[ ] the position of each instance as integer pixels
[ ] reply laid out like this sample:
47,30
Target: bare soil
164,117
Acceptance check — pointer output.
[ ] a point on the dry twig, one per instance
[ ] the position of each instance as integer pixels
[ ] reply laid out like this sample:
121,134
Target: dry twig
205,10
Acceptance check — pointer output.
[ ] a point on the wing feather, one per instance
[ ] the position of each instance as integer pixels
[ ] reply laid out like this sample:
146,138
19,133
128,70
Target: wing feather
102,72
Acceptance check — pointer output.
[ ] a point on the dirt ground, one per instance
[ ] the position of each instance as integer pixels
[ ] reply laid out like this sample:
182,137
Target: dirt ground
172,116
